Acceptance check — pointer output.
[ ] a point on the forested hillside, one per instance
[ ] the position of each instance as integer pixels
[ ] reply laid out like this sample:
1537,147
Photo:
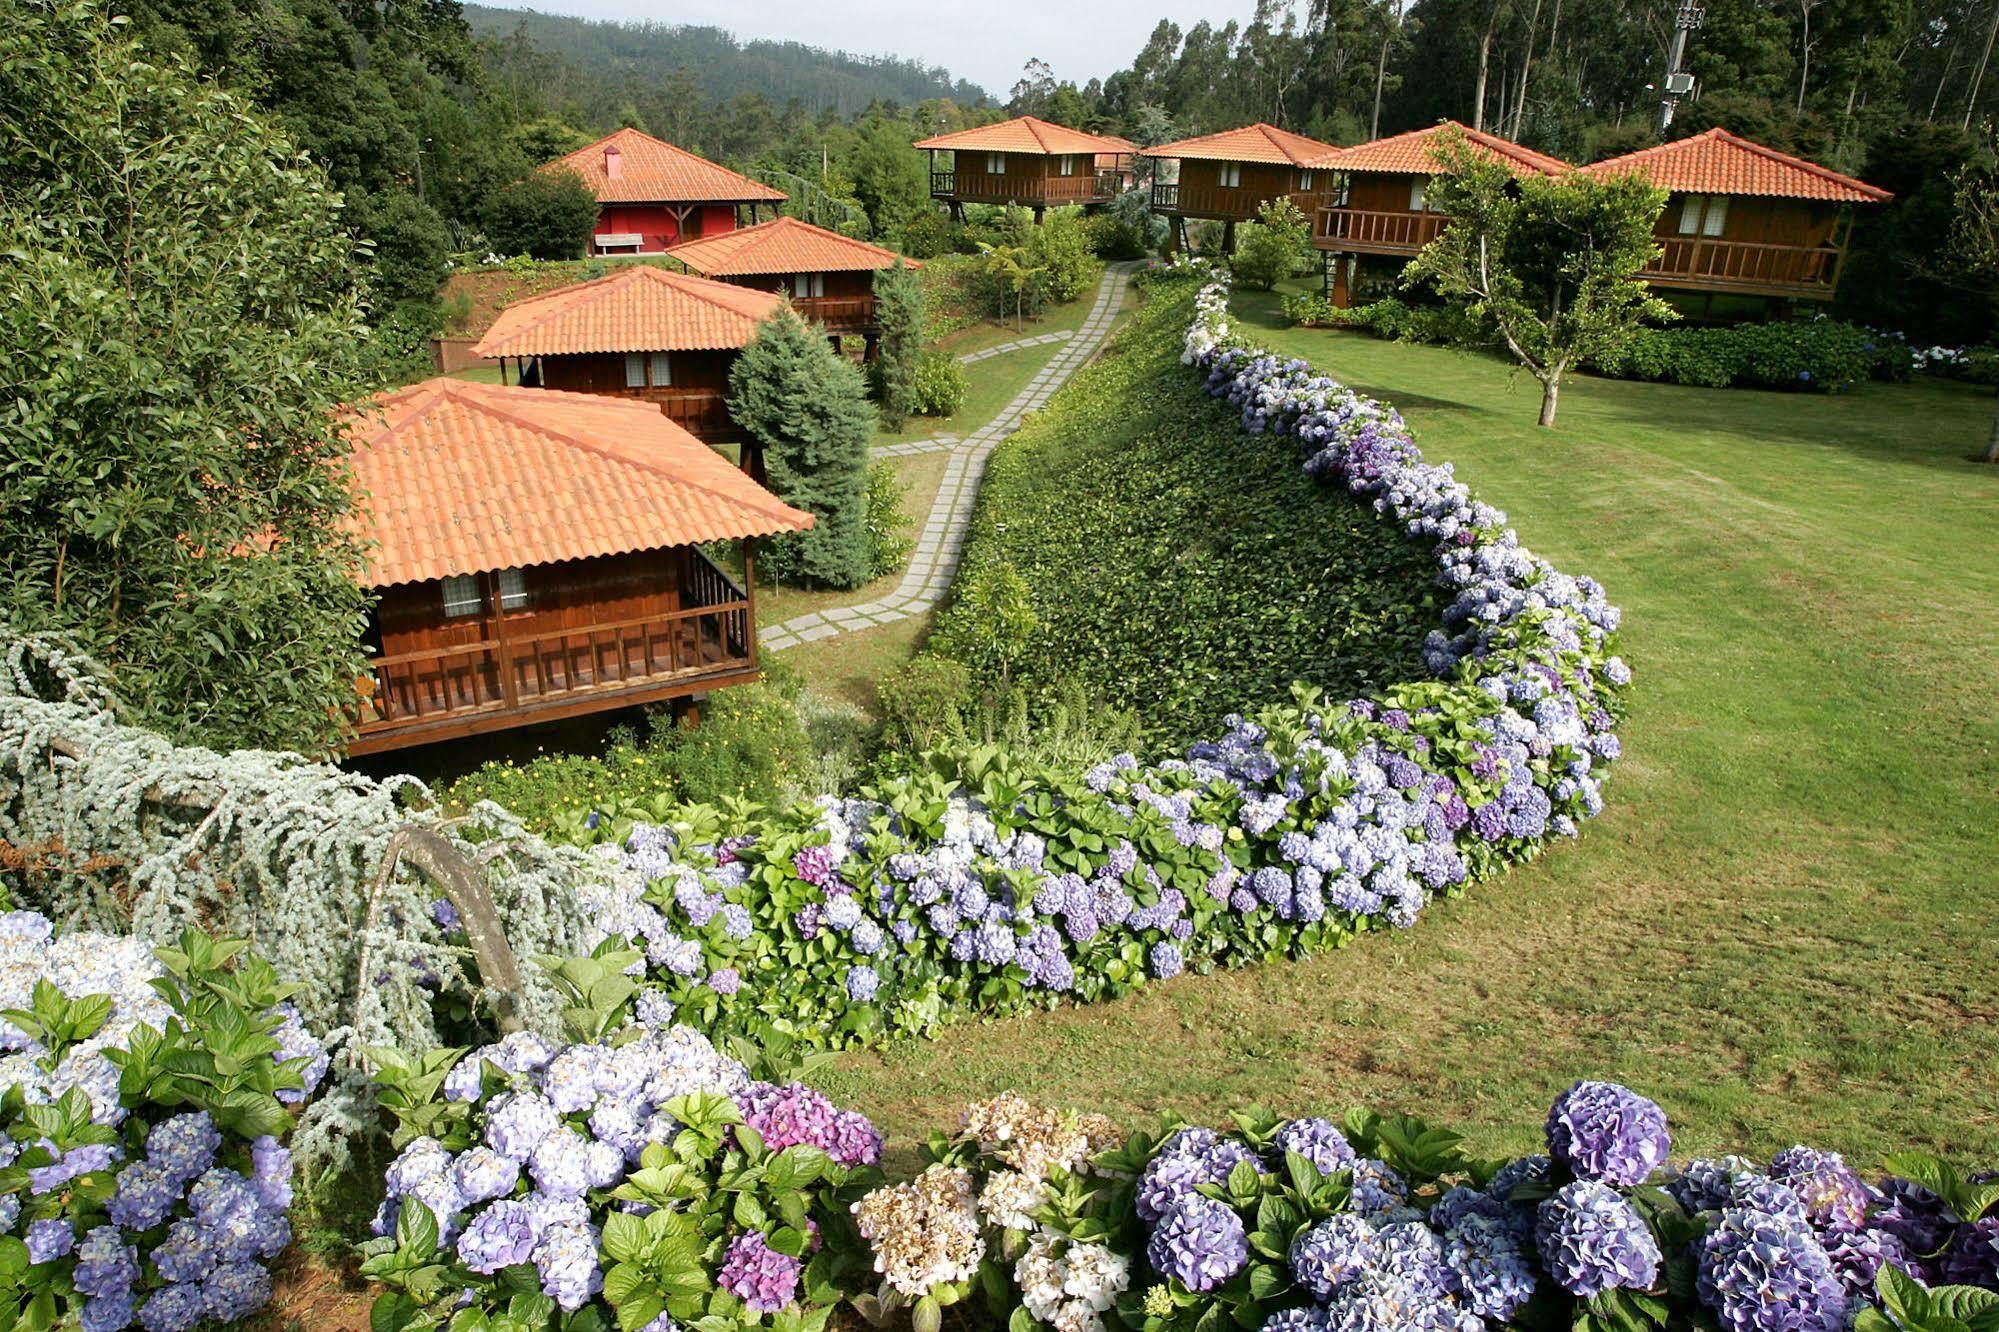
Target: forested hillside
648,65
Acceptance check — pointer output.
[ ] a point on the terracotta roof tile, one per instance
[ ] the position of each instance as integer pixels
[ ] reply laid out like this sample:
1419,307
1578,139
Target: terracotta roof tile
1409,154
784,246
654,171
1251,143
1025,134
462,478
1717,162
641,308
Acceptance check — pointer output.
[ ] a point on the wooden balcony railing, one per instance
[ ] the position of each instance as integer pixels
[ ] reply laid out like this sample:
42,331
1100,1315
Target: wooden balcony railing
1376,231
839,313
1048,191
702,412
501,675
1220,202
1703,263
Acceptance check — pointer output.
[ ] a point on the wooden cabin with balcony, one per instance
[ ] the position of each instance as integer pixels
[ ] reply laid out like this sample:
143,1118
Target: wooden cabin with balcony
829,277
1026,161
538,556
1375,214
1227,177
652,195
643,332
1746,229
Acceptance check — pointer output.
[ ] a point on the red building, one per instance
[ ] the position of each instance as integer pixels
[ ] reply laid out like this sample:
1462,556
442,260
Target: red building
651,195
1744,221
829,277
643,332
538,556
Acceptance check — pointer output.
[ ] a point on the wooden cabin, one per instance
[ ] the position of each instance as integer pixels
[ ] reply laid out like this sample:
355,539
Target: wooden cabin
1744,221
538,555
652,195
829,277
1120,168
644,332
1228,176
1376,214
1026,161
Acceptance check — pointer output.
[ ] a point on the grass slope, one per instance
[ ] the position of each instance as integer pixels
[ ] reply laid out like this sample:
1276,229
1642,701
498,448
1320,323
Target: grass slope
1782,926
1179,568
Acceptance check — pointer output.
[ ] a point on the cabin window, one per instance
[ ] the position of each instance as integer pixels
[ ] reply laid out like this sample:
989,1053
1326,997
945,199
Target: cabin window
995,164
635,370
1417,201
662,370
1231,175
462,596
1703,214
1304,180
809,284
513,589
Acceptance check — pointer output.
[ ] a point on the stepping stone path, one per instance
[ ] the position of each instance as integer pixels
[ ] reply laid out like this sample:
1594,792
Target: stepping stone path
1058,335
935,559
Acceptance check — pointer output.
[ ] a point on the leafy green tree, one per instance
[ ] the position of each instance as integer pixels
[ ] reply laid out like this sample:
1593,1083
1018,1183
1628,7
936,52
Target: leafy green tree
181,310
899,310
1273,247
1061,250
547,139
1009,271
996,620
1549,266
1974,247
547,214
808,408
412,246
890,180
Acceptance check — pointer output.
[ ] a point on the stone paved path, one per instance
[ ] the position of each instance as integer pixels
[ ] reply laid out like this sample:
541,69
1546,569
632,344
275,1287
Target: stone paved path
1059,335
935,558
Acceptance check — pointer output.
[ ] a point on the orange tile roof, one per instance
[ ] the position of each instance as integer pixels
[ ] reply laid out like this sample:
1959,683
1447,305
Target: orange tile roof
1025,134
1409,154
638,309
1717,162
784,246
1251,143
654,171
461,478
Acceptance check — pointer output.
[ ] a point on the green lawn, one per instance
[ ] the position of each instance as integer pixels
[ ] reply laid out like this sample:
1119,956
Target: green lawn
922,473
1783,925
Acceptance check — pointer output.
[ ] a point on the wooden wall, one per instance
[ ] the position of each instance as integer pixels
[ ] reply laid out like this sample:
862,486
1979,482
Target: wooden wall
409,617
1761,221
605,372
1201,190
845,283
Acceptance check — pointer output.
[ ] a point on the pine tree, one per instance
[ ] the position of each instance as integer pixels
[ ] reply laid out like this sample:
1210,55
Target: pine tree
899,311
809,410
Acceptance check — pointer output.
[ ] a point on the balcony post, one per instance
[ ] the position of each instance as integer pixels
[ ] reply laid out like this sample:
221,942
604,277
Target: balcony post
504,648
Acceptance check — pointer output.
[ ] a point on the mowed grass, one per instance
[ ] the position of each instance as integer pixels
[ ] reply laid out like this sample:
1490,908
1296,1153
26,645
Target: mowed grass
1783,926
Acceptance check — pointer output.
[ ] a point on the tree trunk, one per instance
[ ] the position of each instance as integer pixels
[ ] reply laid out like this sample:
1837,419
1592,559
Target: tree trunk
1526,64
1484,60
1992,438
1551,391
1380,77
1805,65
1978,79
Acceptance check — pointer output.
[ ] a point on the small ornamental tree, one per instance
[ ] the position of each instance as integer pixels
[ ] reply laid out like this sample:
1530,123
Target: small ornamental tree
1549,267
547,214
808,407
1273,247
1974,248
180,307
899,311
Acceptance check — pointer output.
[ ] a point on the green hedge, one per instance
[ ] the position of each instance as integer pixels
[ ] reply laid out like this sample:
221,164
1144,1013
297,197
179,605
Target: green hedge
1173,570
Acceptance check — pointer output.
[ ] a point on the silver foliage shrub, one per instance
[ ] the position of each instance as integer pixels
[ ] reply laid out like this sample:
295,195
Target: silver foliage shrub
112,827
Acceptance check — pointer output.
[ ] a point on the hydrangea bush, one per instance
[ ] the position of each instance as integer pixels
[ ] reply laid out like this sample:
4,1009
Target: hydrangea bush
997,885
637,1176
1374,1224
144,1178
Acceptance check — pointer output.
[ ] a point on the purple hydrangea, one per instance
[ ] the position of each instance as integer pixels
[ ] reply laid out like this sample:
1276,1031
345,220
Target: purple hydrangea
503,1235
788,1115
1602,1131
1317,1140
1592,1240
1829,1190
758,1275
1761,1272
1200,1243
1333,1255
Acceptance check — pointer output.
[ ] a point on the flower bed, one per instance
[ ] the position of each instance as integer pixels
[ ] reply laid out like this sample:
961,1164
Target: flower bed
1290,833
143,1174
1384,1225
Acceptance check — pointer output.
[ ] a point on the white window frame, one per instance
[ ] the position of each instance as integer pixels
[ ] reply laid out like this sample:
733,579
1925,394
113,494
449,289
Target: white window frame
1304,181
1231,175
463,596
659,368
1703,215
995,164
513,589
1068,164
807,285
635,370
1419,189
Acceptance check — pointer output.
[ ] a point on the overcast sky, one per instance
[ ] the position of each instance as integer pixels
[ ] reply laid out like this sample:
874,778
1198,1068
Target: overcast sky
985,42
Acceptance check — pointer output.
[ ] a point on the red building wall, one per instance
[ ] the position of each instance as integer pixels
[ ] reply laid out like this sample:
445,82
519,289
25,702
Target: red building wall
659,224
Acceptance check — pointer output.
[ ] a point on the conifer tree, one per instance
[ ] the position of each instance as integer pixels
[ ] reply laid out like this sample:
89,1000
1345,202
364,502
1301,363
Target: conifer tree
899,311
808,407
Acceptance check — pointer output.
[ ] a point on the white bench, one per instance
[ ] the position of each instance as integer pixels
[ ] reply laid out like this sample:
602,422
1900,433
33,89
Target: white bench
619,240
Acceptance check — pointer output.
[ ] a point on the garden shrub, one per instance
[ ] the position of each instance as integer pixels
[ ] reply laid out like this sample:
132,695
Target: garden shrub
920,699
638,1172
1274,246
1817,356
144,1177
1164,588
544,215
1372,1221
940,384
888,525
930,234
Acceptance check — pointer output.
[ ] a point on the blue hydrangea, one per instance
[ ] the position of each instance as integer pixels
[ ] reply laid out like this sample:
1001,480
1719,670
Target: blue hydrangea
1591,1239
1492,1273
503,1235
175,1308
1200,1243
862,983
1317,1140
1761,1272
1333,1255
1602,1131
